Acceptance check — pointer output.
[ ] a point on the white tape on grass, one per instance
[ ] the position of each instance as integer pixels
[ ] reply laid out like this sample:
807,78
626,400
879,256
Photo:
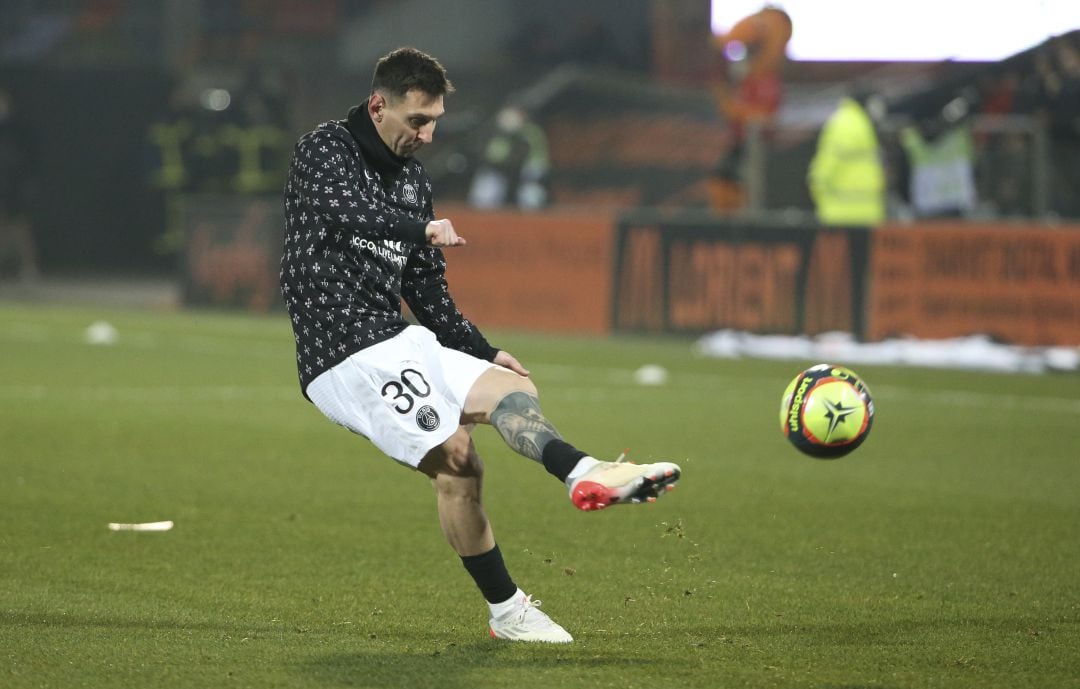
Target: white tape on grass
141,526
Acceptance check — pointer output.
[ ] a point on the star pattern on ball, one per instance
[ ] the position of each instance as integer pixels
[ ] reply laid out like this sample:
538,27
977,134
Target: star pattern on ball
836,413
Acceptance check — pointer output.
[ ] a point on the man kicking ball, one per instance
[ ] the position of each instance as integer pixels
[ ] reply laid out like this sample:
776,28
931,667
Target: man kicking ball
361,236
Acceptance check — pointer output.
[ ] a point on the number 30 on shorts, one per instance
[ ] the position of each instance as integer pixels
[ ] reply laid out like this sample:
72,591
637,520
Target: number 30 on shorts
402,394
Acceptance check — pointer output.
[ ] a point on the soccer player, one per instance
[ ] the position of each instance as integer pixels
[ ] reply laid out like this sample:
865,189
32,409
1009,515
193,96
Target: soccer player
361,235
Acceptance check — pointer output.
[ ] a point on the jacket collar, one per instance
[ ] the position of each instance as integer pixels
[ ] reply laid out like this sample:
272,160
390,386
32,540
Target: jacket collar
378,155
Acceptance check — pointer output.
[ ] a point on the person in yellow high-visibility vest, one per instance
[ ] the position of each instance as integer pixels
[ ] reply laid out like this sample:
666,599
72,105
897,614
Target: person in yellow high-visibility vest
847,174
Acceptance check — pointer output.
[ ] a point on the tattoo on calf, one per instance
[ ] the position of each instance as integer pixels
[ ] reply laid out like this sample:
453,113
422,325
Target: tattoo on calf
518,419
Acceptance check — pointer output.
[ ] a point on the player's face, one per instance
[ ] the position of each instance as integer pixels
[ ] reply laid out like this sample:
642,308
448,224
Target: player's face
406,124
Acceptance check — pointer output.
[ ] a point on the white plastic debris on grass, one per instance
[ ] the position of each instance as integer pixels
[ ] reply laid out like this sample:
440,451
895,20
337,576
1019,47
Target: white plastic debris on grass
651,374
141,526
101,333
977,352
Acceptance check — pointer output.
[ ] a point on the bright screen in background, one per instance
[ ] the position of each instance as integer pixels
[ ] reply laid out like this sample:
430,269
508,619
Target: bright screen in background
918,30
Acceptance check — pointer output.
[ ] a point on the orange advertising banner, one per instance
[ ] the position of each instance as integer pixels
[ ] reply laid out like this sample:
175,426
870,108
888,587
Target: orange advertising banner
547,271
693,274
1020,284
233,250
591,273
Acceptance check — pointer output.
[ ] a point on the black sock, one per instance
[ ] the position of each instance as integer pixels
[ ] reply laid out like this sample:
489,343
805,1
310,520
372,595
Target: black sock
490,574
560,458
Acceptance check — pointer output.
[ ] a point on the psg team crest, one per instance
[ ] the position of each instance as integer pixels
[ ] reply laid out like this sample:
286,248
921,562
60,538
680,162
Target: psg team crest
427,418
410,196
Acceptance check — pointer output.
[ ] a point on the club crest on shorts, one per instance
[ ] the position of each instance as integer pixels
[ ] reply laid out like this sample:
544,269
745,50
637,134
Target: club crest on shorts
410,196
427,418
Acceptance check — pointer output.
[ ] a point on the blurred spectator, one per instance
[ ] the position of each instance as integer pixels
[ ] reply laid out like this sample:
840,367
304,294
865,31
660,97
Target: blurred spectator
753,52
217,139
18,178
258,134
847,174
169,142
941,162
515,164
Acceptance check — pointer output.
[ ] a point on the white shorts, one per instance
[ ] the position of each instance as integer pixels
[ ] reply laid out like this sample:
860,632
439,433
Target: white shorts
404,394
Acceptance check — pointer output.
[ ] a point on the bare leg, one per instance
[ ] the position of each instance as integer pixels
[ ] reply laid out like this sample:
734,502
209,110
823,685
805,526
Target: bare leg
457,474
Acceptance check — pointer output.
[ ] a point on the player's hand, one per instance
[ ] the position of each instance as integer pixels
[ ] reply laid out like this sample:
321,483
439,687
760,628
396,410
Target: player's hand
506,360
441,233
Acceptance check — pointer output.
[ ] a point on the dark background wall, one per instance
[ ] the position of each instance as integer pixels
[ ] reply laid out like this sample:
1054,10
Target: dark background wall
92,206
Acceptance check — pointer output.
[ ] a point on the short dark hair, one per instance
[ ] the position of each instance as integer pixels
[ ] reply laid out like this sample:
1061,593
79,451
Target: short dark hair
407,68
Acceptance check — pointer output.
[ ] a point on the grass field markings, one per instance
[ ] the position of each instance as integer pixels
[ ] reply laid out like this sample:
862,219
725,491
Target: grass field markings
142,337
199,344
955,398
620,376
148,393
203,343
25,332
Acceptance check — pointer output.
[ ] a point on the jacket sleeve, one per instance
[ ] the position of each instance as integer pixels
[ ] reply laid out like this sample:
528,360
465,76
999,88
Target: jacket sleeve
425,290
322,182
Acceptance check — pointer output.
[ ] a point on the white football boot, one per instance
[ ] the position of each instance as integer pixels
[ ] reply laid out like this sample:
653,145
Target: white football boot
623,482
526,623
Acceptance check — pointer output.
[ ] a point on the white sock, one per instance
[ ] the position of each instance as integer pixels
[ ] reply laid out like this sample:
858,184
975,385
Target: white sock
580,469
511,603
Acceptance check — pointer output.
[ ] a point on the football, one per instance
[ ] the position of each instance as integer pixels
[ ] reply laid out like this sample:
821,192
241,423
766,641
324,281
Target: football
826,411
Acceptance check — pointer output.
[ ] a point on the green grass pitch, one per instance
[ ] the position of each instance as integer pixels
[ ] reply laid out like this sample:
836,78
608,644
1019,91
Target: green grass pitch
945,552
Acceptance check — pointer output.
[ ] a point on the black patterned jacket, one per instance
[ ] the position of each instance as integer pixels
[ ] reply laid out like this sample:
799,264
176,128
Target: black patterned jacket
355,216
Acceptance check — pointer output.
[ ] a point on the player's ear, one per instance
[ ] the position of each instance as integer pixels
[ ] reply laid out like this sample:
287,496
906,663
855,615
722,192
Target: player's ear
375,106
